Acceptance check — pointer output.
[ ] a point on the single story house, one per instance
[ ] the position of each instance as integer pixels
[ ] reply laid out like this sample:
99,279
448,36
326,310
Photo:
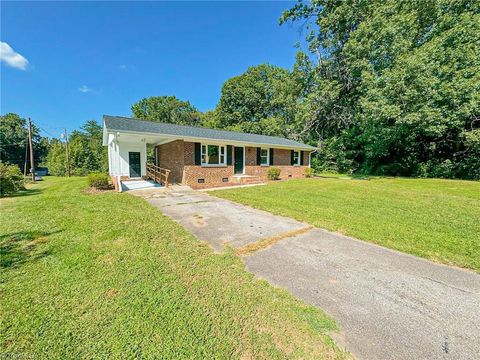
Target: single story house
198,157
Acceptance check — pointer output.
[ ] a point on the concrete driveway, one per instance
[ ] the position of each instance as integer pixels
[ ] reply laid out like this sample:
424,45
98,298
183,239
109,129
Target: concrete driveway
389,305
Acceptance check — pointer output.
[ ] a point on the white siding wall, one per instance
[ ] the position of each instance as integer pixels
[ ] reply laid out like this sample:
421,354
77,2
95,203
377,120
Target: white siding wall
118,155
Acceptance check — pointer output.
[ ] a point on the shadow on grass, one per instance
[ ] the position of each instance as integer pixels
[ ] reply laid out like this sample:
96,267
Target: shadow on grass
23,247
26,192
354,176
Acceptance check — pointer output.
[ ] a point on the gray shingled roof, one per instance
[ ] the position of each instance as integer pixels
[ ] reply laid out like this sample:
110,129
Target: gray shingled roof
119,123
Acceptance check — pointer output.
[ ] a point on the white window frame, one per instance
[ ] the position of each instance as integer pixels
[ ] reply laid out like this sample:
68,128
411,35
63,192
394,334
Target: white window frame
297,163
222,152
268,156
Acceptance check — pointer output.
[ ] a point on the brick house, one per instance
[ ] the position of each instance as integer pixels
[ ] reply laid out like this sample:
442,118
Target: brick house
199,157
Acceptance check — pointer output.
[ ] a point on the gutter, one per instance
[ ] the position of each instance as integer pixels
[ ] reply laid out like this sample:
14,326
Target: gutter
220,141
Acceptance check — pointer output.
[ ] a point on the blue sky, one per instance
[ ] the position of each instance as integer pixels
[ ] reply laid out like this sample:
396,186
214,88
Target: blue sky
86,59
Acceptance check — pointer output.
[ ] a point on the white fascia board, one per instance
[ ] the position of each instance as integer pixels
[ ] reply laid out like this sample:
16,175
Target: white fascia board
213,141
105,135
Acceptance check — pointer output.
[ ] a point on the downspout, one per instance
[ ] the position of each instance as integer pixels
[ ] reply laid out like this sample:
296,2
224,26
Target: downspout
119,177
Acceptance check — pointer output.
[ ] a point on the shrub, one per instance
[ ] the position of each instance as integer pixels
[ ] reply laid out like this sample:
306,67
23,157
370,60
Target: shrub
11,179
99,180
309,172
273,173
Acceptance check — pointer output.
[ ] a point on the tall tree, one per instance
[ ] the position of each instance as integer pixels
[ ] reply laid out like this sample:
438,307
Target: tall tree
13,140
87,154
396,83
261,100
166,109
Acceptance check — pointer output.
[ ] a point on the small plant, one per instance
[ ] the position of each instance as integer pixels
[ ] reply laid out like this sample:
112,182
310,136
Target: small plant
99,180
309,172
273,173
11,179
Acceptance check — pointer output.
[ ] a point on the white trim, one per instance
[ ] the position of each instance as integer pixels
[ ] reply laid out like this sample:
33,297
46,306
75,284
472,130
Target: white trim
268,156
213,141
233,161
220,146
166,141
298,157
244,160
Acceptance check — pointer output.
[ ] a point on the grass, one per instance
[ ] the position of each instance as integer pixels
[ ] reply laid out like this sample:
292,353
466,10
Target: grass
108,276
432,218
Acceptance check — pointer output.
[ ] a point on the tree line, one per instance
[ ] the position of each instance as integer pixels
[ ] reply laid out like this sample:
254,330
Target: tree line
86,153
385,87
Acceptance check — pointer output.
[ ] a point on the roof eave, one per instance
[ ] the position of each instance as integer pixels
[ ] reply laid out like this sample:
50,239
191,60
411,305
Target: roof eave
199,138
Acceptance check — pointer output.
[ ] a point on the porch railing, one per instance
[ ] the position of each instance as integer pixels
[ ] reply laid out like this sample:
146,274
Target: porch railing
158,174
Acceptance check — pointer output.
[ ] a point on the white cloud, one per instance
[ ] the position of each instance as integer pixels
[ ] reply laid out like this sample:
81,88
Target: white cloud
85,89
11,58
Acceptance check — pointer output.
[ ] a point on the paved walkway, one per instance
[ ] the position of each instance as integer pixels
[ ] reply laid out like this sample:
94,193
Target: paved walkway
389,305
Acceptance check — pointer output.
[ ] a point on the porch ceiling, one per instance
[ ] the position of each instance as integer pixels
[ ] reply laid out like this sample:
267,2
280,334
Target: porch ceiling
147,138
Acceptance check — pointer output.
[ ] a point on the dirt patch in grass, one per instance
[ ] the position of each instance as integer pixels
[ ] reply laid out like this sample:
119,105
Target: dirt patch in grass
111,293
94,191
269,241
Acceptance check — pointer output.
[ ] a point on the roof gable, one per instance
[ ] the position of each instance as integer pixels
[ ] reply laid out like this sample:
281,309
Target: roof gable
124,124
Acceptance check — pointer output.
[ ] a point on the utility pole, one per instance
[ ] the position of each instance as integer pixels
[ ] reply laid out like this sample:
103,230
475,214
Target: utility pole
26,157
66,149
32,163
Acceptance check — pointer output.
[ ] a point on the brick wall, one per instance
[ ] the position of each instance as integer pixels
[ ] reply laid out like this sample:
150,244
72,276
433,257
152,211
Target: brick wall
170,156
185,171
281,159
212,176
189,154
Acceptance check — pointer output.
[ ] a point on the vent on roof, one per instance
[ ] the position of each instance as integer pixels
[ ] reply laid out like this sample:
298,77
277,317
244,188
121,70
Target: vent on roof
201,181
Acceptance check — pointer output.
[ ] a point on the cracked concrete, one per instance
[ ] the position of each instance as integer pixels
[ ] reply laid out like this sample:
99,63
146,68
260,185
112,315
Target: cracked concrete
389,305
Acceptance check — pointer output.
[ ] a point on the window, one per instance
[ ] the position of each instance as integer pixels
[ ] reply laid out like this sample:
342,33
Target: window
264,157
296,158
213,155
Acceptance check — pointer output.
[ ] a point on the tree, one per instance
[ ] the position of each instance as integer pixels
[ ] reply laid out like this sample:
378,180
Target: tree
56,159
263,96
396,83
87,154
166,109
14,139
11,179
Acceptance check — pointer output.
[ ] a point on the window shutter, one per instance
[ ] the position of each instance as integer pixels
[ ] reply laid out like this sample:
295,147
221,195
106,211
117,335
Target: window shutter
291,157
301,157
258,156
271,157
229,154
198,154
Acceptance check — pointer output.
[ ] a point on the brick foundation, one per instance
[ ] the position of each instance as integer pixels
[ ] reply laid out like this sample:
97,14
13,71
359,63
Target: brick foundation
212,176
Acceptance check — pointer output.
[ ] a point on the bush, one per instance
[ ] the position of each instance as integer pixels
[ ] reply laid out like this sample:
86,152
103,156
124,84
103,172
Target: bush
309,172
99,180
11,179
273,173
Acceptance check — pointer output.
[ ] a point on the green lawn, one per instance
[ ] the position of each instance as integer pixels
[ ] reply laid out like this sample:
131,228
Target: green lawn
433,218
108,276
